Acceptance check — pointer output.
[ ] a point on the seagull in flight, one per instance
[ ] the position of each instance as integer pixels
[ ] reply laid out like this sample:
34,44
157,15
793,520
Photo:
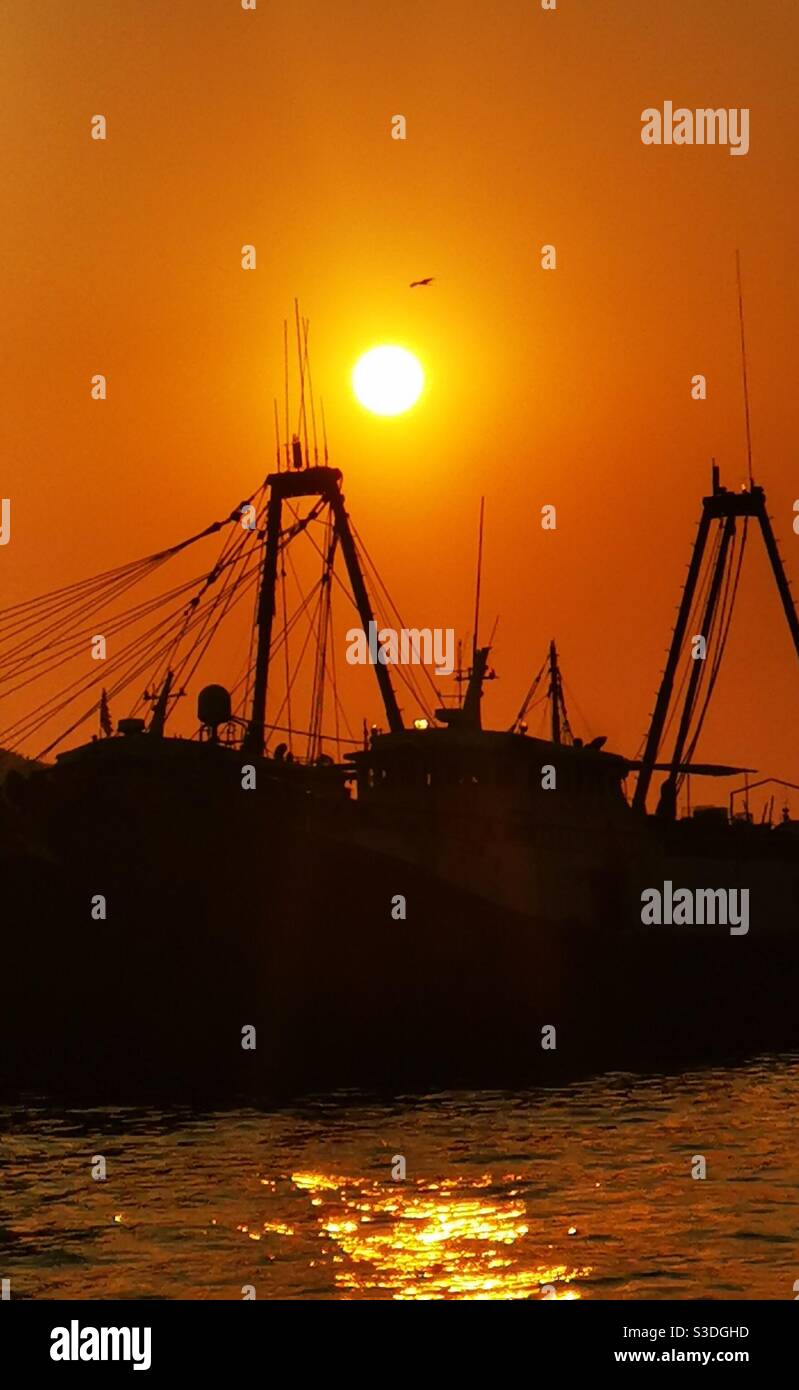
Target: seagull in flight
428,281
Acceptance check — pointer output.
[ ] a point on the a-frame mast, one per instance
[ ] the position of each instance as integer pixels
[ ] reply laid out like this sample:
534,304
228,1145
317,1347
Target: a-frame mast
326,484
725,506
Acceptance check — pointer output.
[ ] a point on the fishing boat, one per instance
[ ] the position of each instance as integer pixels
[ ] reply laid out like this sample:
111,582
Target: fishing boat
444,904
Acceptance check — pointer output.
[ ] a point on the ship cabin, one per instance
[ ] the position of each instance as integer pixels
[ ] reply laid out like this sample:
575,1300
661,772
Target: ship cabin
457,767
485,769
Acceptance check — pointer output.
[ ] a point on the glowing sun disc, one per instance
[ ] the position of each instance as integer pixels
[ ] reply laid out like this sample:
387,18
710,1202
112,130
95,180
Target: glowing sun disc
387,380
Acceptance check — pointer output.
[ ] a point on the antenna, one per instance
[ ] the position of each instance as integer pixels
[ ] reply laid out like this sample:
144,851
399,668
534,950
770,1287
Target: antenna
307,369
324,428
302,423
479,578
286,431
743,365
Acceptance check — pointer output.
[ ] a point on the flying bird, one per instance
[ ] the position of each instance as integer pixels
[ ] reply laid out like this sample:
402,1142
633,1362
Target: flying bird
428,281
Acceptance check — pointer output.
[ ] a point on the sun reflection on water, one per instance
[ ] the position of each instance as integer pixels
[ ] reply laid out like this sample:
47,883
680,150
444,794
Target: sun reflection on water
432,1240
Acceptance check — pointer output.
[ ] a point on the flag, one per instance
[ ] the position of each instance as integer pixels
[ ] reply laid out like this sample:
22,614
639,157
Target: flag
105,715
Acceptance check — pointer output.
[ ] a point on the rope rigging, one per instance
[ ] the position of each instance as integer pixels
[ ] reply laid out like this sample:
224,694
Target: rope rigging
163,638
56,624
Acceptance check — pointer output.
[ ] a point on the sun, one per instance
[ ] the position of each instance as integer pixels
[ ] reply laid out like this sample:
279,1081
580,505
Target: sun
387,380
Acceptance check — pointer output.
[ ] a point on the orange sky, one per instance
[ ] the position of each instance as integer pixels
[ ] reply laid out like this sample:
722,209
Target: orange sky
569,387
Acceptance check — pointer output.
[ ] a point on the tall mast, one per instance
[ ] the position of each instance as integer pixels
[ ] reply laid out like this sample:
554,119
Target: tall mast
287,431
743,367
479,578
255,737
333,493
554,691
720,505
307,482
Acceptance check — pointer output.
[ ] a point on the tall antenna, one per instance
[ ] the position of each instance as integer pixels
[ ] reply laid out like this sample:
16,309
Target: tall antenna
743,364
302,423
324,428
479,578
307,370
286,431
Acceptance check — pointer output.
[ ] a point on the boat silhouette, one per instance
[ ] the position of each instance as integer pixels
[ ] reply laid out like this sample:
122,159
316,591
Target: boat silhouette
446,904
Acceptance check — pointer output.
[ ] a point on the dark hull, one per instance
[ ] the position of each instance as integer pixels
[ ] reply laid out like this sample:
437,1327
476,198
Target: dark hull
297,938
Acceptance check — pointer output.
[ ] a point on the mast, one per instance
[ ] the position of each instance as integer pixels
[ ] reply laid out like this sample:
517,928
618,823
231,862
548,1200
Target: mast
359,593
466,715
479,578
287,432
780,578
704,631
743,369
554,691
719,506
667,683
254,739
307,482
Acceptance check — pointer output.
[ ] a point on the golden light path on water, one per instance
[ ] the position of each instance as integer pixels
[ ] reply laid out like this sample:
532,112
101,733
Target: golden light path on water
429,1240
583,1192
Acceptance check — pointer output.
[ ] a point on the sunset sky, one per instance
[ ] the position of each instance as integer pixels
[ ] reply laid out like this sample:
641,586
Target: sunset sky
569,387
